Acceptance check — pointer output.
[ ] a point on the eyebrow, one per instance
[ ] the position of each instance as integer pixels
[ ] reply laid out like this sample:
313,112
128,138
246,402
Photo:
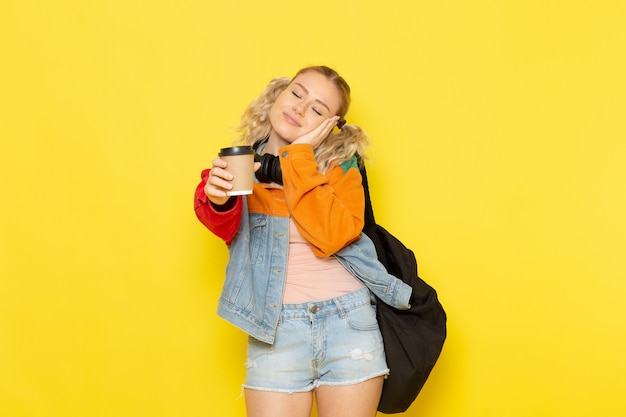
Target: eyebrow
318,100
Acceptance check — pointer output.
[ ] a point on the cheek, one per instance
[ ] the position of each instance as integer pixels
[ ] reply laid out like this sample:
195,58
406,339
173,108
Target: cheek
275,115
313,122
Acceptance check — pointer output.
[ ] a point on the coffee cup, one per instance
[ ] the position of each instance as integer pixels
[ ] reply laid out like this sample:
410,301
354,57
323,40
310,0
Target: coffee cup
240,160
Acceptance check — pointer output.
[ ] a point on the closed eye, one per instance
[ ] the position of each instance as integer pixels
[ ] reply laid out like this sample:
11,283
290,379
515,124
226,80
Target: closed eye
316,111
296,94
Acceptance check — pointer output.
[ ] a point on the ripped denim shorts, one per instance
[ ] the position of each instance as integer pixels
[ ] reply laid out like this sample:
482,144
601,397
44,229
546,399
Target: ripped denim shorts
332,342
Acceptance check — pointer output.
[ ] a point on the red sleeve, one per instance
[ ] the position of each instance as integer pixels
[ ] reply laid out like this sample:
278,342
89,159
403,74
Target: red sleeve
224,224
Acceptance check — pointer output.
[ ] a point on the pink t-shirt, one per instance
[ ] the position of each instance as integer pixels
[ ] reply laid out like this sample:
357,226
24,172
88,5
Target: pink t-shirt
310,278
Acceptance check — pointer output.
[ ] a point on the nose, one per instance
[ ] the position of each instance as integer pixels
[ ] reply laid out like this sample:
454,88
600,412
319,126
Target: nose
297,108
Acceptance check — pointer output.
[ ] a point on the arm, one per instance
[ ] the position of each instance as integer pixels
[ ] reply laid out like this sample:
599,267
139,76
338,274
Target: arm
222,220
327,209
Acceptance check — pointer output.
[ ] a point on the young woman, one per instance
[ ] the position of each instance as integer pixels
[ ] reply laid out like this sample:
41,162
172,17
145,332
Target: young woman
300,271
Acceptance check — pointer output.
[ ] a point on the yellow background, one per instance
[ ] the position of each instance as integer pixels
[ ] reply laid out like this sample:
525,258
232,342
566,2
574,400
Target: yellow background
499,149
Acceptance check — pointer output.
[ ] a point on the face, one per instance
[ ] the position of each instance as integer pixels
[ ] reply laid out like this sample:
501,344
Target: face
309,100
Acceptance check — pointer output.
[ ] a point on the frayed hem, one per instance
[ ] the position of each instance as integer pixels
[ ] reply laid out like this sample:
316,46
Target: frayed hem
316,384
353,382
279,390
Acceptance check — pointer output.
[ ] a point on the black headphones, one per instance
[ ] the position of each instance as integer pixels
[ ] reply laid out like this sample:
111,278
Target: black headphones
270,166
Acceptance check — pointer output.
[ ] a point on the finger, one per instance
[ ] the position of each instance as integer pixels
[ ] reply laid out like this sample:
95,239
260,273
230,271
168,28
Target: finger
328,126
212,191
330,123
219,162
217,172
219,183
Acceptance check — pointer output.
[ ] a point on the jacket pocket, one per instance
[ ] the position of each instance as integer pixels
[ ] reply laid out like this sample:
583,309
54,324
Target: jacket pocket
258,238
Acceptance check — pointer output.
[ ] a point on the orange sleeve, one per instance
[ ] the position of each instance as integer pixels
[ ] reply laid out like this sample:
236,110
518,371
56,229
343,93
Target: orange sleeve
326,208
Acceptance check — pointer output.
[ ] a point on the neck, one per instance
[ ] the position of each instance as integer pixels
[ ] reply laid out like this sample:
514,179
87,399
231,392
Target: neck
274,143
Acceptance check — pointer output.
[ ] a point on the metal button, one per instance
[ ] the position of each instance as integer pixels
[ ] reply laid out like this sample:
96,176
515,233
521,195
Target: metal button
314,309
285,154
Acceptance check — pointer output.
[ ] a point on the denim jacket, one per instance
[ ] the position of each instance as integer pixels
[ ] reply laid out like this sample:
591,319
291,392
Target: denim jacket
252,295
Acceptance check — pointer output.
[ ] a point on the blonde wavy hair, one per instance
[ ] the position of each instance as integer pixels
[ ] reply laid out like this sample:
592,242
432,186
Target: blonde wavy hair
338,147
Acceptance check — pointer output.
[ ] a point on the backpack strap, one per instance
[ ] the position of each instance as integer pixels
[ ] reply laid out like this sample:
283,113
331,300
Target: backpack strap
369,211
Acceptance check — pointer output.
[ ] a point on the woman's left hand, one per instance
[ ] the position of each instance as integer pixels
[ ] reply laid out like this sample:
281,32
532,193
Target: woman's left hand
317,135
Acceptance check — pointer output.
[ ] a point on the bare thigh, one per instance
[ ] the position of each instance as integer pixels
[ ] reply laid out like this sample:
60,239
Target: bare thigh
358,400
278,404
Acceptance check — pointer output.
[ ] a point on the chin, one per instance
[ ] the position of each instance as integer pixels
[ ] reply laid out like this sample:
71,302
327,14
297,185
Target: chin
283,137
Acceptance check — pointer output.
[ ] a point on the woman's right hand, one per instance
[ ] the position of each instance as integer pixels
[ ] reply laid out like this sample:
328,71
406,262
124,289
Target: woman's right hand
218,183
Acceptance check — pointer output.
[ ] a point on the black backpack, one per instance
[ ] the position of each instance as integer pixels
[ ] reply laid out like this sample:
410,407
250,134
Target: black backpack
413,338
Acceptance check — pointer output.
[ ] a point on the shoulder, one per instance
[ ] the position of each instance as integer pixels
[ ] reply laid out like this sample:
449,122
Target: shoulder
350,163
347,170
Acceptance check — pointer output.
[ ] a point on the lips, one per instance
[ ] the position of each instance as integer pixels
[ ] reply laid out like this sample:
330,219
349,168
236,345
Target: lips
292,121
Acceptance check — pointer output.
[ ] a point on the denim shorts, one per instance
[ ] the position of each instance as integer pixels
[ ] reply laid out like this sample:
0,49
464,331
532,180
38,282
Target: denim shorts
332,342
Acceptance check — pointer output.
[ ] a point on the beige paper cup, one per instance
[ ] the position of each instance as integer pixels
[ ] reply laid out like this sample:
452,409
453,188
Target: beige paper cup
240,160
